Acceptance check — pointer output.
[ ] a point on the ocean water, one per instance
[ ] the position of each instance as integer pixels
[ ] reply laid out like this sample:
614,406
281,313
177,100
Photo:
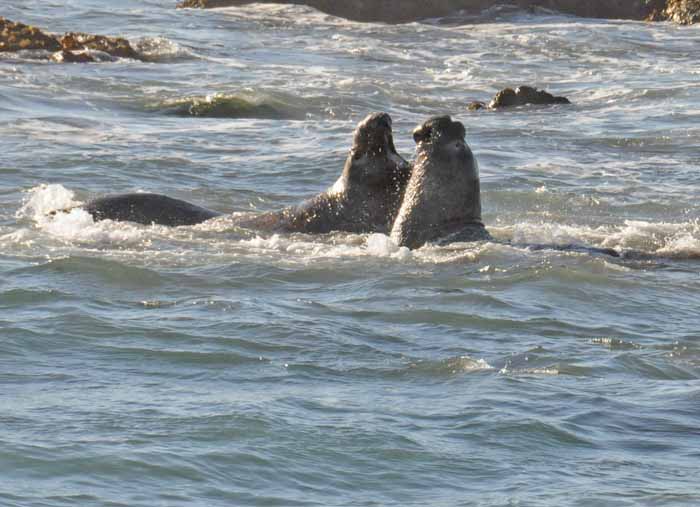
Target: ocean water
210,366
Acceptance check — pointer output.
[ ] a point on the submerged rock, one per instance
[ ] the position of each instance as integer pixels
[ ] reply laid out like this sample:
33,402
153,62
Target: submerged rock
73,47
521,96
402,11
18,36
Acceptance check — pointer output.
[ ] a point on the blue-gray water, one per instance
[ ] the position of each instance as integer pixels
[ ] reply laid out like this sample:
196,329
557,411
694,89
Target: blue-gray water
206,366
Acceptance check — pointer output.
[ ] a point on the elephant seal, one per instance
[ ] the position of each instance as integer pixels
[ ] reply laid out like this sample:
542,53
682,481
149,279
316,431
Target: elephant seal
366,197
148,209
442,199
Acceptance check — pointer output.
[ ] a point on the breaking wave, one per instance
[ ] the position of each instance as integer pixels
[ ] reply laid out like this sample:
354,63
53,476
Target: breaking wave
221,105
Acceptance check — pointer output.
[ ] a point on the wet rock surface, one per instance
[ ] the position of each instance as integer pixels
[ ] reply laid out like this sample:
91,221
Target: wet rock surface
72,47
684,12
18,36
401,11
388,11
520,96
113,46
64,56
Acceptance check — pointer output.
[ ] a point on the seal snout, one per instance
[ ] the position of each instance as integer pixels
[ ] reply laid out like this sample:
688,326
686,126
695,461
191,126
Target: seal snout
376,121
374,135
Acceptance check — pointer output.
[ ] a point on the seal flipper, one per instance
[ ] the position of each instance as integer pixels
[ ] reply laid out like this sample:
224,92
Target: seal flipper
148,209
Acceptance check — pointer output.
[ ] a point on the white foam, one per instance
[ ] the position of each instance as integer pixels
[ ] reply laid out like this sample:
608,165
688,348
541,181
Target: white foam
654,238
466,364
161,49
44,199
529,371
380,245
558,234
55,211
660,238
333,246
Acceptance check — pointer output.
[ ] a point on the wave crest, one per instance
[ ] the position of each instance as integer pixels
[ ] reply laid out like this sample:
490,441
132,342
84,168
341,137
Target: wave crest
221,105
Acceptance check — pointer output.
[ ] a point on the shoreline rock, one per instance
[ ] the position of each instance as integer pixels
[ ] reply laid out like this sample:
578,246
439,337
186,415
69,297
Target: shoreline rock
683,12
18,36
404,11
113,46
72,47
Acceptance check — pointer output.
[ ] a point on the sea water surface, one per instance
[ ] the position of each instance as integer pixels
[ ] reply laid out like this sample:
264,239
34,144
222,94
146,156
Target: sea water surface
211,366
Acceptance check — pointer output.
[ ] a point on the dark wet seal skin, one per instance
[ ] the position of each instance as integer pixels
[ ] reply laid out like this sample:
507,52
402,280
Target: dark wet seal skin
365,198
442,202
443,196
148,209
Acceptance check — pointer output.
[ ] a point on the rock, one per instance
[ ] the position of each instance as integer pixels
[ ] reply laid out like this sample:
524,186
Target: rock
684,12
403,11
72,47
655,10
64,56
476,105
387,11
18,36
521,96
114,46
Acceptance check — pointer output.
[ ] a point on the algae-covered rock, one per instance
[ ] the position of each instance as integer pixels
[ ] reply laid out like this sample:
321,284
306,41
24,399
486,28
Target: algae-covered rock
18,36
114,46
684,12
73,47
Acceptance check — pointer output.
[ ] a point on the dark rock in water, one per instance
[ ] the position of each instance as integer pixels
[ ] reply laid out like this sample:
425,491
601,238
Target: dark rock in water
18,36
403,11
64,56
521,96
114,46
72,47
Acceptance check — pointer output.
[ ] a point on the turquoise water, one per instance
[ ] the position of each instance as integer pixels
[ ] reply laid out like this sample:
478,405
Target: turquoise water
209,366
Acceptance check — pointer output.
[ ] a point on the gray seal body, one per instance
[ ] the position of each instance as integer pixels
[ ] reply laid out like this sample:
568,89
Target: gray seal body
366,197
443,198
148,209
